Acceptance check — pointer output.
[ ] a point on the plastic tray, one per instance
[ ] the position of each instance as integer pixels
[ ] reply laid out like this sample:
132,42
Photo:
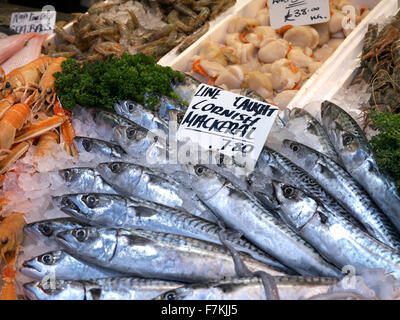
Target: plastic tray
327,79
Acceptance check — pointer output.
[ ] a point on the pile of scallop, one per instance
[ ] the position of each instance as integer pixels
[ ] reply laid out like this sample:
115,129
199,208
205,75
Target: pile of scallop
274,63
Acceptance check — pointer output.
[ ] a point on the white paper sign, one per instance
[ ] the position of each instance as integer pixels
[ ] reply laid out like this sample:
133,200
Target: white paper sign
298,12
37,21
228,123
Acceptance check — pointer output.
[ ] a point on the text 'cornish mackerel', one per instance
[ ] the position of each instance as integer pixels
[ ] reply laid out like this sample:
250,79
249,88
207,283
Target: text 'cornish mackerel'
228,123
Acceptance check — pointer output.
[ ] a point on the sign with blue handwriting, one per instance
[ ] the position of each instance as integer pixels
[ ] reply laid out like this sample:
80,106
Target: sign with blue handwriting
228,123
298,12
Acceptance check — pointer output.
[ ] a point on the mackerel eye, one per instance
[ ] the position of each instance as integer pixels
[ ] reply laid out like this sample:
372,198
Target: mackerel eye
68,175
347,139
288,191
4,240
294,147
130,107
80,234
45,230
87,144
46,259
170,295
130,133
199,170
91,201
115,167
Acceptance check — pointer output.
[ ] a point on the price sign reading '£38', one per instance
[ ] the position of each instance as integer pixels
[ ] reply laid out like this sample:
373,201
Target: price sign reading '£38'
228,123
298,12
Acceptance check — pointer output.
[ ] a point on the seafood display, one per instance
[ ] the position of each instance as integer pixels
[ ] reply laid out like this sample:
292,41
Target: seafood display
100,201
273,63
115,27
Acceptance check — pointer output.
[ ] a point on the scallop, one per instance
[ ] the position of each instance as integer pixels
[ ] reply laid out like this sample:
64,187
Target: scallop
264,17
254,39
212,68
302,36
299,59
282,76
238,24
261,83
323,53
247,52
334,43
265,32
274,50
314,66
335,23
232,39
232,77
212,52
323,32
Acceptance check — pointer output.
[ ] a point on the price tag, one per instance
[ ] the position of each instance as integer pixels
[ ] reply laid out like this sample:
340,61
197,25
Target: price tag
298,12
228,123
38,21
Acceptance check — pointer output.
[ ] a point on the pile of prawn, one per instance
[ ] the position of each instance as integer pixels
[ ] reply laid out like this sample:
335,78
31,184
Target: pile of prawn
151,27
380,68
30,112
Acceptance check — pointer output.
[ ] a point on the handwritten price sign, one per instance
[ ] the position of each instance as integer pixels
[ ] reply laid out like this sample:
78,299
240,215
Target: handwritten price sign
298,12
38,21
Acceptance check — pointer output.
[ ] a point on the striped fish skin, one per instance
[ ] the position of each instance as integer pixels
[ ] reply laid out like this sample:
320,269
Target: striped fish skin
336,181
97,146
314,133
120,212
142,145
359,160
241,211
300,178
46,230
332,235
138,181
155,255
65,267
289,288
85,179
140,115
125,288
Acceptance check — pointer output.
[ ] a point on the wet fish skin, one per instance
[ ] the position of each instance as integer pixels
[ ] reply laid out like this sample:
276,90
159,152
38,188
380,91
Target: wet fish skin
116,211
241,211
97,146
47,229
85,179
142,145
335,237
138,181
300,178
186,88
166,104
335,180
64,267
359,160
102,117
151,254
140,115
290,288
318,139
124,288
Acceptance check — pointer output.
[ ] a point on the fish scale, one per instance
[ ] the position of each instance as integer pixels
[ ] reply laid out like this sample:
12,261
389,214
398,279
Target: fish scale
358,158
333,235
242,212
158,255
289,288
345,190
301,178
